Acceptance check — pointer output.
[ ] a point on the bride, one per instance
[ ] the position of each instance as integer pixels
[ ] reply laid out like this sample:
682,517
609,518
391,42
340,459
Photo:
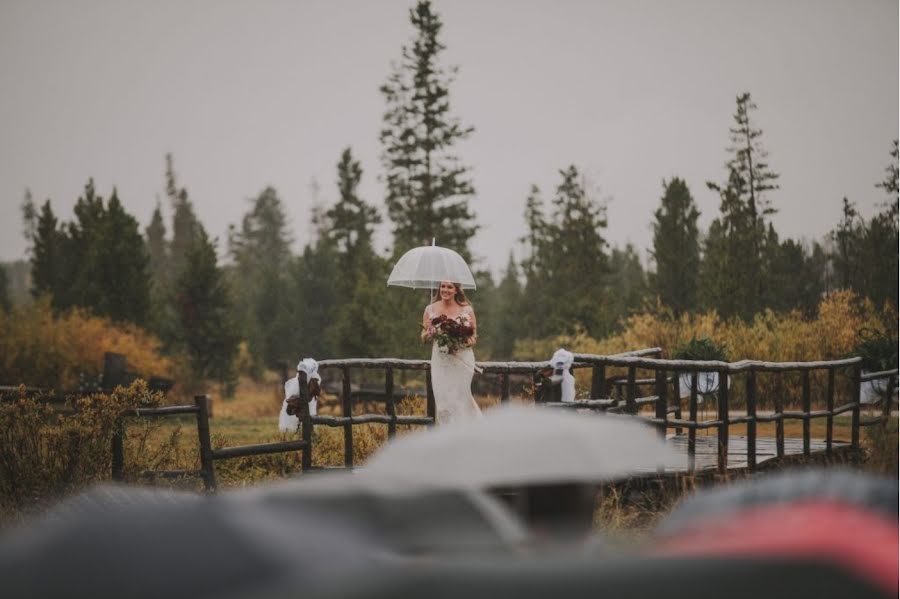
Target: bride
451,374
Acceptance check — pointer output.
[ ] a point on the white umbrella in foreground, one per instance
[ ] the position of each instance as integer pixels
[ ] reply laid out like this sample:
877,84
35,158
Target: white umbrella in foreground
425,267
519,445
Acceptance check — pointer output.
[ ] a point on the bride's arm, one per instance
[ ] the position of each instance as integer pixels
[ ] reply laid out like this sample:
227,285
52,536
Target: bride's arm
474,338
426,325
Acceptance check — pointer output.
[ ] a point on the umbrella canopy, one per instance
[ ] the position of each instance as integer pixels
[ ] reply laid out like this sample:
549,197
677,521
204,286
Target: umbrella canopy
418,522
519,445
425,267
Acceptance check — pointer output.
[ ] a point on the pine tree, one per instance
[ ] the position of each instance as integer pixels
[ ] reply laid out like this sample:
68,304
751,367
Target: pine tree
109,273
891,183
184,221
261,254
796,276
29,219
566,271
315,295
730,271
505,326
847,236
157,250
676,247
428,189
744,197
351,221
5,303
46,256
202,301
119,277
627,283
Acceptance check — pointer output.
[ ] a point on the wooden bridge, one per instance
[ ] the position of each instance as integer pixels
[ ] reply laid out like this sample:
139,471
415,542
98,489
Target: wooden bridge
749,393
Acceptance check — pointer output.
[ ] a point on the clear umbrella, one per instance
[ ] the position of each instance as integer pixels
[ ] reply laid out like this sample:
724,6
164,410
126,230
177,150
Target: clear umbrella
519,445
425,267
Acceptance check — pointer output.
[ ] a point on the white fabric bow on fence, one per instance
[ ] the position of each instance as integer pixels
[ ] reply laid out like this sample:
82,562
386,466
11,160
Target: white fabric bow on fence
563,359
286,422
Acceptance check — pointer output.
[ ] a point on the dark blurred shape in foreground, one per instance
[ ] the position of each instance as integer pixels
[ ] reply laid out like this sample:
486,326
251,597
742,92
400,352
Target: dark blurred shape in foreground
802,534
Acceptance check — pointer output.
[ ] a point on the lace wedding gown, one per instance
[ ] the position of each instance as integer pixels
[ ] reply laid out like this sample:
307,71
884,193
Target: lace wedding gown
451,380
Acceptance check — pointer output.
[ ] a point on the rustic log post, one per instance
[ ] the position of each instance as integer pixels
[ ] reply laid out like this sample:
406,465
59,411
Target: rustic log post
631,392
207,467
676,395
504,388
751,423
779,412
347,412
829,420
662,403
430,407
692,433
306,424
723,416
854,424
389,398
888,401
807,407
118,449
598,381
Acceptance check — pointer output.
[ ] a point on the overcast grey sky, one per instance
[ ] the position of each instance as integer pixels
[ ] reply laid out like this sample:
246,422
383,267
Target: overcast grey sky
253,93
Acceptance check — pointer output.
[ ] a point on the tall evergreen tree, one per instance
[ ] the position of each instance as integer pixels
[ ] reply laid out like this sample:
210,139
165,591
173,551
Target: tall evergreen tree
846,237
202,301
428,189
744,197
567,267
505,325
5,303
315,296
184,221
46,256
676,247
730,271
157,250
29,219
891,182
261,254
351,222
627,282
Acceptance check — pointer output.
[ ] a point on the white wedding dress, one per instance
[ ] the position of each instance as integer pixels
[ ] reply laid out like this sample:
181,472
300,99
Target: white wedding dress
451,380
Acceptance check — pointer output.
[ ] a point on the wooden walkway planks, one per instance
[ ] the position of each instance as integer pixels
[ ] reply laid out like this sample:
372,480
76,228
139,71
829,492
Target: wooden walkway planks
708,447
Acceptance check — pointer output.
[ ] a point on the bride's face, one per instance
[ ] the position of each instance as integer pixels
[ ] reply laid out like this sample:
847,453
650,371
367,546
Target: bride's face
448,290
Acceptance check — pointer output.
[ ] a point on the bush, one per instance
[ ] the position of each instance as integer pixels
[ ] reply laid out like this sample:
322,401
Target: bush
878,349
703,349
42,349
46,454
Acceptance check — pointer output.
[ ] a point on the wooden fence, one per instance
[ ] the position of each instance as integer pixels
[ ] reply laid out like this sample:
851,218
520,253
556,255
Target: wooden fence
738,378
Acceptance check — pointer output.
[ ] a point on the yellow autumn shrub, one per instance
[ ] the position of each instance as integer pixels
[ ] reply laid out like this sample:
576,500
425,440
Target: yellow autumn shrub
833,333
40,348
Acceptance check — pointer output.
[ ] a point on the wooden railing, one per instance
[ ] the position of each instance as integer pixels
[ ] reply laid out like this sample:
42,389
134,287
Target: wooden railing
665,398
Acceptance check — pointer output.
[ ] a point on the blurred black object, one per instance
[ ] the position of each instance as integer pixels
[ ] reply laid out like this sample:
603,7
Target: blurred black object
332,536
129,542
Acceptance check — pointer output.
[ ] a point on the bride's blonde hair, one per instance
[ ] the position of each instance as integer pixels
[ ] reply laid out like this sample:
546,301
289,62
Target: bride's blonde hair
460,295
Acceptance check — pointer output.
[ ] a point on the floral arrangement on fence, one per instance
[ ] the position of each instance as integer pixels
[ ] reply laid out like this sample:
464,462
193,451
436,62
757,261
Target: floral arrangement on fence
451,334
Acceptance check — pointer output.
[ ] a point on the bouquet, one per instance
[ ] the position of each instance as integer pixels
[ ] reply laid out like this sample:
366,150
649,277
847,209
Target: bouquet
451,334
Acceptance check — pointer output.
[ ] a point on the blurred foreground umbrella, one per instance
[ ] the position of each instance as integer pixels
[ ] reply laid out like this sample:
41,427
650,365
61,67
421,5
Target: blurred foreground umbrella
517,445
116,541
422,522
425,267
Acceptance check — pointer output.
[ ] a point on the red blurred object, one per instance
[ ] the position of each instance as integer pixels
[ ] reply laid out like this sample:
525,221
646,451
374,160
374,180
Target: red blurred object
861,541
